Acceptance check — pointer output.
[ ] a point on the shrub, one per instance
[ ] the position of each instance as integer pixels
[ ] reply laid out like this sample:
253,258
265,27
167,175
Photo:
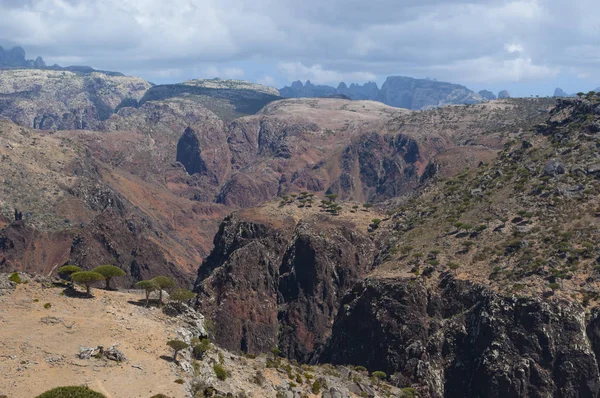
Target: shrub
316,387
163,283
360,368
109,272
276,351
87,279
47,306
453,266
149,287
409,392
71,392
182,295
220,372
179,381
379,375
201,348
14,277
177,345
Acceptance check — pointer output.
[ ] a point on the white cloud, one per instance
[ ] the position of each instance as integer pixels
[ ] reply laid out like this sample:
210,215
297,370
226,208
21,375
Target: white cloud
267,81
224,73
513,48
324,41
317,74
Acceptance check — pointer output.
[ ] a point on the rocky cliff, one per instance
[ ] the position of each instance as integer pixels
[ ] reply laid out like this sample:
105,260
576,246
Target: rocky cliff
277,274
397,91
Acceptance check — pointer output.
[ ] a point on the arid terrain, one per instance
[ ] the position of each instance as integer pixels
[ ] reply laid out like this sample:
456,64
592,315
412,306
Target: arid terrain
454,249
40,347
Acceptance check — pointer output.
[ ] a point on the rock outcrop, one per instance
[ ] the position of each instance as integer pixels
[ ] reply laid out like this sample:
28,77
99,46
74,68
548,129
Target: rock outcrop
278,281
488,95
503,94
15,58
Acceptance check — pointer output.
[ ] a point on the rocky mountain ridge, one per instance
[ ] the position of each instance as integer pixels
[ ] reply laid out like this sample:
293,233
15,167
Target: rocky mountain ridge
397,91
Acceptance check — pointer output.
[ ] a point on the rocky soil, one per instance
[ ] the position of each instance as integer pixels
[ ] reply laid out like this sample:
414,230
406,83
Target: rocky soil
44,331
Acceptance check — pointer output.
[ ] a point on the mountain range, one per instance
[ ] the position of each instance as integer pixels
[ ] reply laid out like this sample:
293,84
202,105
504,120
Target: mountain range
396,91
335,247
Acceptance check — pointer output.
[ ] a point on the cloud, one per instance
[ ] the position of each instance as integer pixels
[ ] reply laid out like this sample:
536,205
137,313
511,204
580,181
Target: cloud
324,41
225,73
267,81
317,74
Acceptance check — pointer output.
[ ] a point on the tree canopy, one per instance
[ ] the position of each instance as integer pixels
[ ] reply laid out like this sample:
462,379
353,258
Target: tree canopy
109,272
86,278
163,283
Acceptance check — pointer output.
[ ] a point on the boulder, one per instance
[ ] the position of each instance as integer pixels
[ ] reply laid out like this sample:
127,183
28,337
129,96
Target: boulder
553,168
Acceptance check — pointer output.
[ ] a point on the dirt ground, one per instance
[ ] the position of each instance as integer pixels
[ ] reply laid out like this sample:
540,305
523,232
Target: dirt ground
39,346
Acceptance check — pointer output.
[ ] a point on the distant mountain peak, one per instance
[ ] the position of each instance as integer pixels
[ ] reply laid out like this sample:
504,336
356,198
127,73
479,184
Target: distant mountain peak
15,57
398,91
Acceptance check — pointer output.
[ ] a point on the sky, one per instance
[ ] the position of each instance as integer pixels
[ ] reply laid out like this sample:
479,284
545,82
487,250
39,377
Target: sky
528,47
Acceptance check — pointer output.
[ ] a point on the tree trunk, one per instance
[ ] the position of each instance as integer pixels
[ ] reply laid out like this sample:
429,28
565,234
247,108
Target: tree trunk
160,296
147,298
87,288
107,283
175,356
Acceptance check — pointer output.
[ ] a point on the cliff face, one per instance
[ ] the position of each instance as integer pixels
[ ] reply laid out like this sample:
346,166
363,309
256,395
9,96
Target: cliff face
277,281
456,338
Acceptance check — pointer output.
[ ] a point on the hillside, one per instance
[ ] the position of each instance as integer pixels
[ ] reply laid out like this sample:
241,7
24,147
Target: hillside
148,191
40,349
482,284
48,99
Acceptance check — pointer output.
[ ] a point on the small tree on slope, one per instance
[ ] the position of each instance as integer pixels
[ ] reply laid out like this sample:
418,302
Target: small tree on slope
87,279
163,283
109,272
149,287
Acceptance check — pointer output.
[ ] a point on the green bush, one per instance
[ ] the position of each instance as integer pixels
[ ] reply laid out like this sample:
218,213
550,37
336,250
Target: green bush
71,392
47,306
409,392
379,375
182,295
220,372
276,351
177,345
200,348
316,387
14,277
